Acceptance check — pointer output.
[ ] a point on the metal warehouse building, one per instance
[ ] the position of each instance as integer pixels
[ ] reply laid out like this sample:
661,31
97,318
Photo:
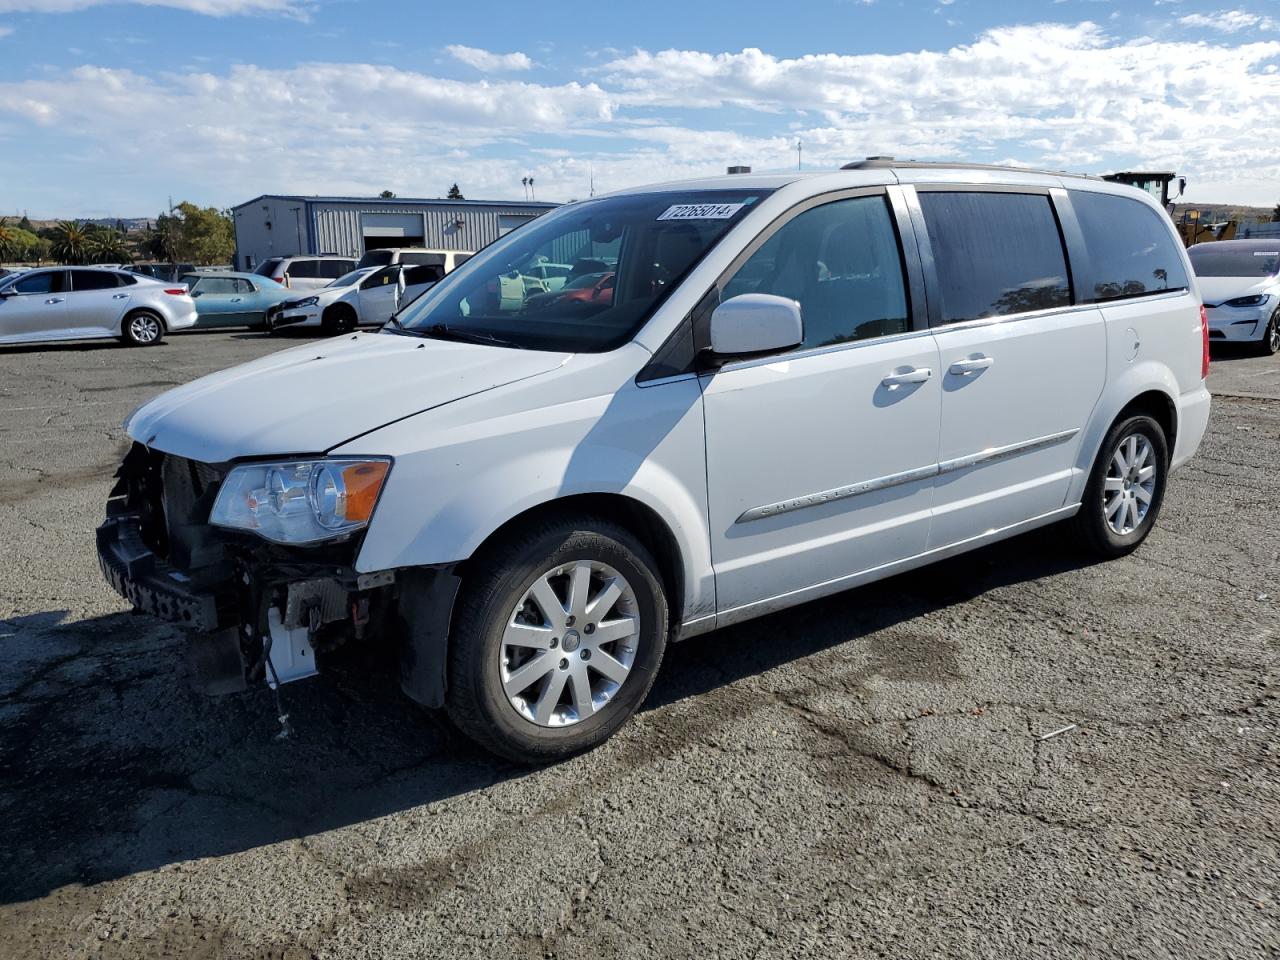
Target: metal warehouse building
273,225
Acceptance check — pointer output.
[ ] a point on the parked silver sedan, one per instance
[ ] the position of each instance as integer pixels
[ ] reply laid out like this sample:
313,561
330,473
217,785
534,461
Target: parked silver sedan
87,303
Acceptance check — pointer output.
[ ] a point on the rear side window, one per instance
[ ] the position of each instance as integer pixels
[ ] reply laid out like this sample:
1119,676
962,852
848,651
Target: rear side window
422,274
1131,248
841,262
268,268
93,280
996,253
305,269
460,258
333,269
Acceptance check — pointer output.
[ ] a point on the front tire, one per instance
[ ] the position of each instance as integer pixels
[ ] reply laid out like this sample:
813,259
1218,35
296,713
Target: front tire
142,328
1125,489
338,319
556,640
1270,344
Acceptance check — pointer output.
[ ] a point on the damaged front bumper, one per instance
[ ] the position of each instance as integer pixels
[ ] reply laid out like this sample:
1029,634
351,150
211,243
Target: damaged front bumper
258,611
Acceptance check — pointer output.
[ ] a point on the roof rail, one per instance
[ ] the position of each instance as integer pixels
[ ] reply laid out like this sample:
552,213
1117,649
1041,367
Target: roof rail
886,163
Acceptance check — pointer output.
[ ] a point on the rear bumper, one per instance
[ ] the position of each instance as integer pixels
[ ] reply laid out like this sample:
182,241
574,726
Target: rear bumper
1193,420
182,319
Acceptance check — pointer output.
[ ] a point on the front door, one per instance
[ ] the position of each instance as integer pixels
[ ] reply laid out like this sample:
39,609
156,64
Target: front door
225,302
378,296
1022,367
38,306
820,462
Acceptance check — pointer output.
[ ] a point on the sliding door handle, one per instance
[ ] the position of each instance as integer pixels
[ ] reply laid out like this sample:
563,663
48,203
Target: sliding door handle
918,375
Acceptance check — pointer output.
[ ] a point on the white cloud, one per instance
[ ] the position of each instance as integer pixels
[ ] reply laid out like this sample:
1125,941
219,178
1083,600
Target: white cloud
5,31
212,8
1065,97
487,61
1231,21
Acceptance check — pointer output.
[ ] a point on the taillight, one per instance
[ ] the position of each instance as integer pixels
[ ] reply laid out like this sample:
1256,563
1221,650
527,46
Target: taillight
283,280
176,291
1204,336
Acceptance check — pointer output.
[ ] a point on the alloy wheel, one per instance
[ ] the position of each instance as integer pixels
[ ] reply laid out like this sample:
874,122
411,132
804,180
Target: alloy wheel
144,328
570,643
1130,484
1273,333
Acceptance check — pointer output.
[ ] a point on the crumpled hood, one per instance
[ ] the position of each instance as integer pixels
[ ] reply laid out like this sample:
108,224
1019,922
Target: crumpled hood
1214,290
311,398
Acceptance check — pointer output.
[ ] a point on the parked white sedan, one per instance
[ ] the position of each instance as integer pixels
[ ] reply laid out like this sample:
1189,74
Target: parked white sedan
1240,283
87,303
363,297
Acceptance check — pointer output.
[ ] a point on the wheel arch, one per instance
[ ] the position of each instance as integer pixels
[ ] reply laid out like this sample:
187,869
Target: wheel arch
636,517
144,308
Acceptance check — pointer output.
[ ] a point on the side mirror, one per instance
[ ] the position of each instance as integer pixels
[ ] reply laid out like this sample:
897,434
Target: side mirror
8,292
755,323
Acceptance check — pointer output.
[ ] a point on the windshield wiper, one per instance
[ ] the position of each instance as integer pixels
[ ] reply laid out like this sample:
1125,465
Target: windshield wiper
443,331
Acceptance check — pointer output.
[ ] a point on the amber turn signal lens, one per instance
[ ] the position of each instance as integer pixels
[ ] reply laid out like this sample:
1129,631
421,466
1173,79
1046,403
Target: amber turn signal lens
363,482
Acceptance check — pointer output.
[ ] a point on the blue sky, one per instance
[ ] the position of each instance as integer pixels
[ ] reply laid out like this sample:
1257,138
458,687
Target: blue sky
109,108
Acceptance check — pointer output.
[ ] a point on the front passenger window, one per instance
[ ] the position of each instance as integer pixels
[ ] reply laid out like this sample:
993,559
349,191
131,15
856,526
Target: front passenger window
842,263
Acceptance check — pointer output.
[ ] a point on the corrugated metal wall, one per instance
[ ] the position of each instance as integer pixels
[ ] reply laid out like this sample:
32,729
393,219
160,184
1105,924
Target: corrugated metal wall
338,226
335,226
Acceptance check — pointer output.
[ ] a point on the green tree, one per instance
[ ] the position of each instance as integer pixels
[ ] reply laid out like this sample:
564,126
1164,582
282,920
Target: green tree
8,240
1275,214
206,234
71,242
25,224
387,195
455,193
108,246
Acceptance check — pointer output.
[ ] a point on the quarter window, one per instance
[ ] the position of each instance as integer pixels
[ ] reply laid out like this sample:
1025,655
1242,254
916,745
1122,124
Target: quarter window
842,263
996,253
1130,246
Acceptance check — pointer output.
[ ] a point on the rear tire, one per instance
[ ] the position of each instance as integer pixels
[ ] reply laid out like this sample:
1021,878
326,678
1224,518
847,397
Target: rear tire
1125,489
142,328
535,682
1270,344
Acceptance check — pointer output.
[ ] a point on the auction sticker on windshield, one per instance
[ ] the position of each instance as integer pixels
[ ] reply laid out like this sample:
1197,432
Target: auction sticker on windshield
700,211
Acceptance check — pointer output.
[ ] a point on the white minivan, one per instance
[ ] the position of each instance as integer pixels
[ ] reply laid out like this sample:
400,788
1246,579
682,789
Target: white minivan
788,386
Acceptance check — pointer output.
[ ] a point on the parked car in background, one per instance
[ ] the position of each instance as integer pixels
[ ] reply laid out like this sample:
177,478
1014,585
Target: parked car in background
587,288
86,303
305,272
448,260
1240,283
803,384
168,272
368,295
231,299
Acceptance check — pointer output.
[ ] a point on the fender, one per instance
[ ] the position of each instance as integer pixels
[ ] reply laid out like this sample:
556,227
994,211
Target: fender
460,474
1144,377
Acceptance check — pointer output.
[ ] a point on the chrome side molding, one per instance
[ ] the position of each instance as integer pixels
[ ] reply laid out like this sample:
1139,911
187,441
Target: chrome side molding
990,455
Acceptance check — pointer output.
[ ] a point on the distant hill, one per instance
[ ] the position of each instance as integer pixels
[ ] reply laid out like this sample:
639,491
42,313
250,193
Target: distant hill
1218,212
130,223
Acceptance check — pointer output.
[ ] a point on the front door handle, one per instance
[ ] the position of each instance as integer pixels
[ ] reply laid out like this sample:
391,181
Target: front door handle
918,375
54,300
967,368
235,299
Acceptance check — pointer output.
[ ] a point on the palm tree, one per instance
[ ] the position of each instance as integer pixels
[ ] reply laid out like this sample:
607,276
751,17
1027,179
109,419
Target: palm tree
8,240
108,246
70,242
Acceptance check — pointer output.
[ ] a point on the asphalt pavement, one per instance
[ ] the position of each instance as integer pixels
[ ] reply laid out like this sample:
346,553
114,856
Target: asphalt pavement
863,776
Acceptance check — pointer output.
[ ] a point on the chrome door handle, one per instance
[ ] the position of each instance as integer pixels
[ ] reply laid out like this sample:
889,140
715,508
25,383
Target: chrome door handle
120,296
54,300
918,375
235,299
967,368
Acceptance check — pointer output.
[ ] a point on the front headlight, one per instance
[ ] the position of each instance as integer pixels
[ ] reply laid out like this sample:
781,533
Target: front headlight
308,302
1257,300
300,501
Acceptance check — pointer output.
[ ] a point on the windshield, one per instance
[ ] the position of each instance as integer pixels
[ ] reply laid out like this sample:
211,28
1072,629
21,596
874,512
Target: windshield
347,279
625,255
1220,260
